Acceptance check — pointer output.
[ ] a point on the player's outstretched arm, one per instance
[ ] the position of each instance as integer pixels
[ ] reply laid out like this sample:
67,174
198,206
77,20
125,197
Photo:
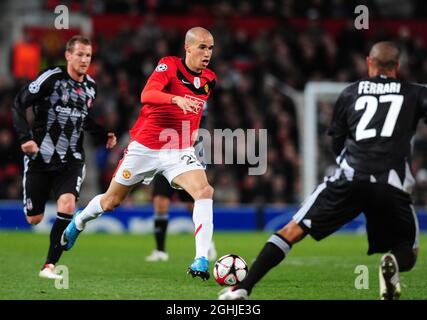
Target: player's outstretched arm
96,129
153,95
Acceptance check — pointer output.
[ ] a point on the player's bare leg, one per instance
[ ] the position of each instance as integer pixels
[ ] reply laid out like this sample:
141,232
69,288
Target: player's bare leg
108,201
274,251
35,220
196,184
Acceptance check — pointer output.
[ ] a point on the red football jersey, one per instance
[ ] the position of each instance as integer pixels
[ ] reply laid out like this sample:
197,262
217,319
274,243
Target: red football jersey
158,116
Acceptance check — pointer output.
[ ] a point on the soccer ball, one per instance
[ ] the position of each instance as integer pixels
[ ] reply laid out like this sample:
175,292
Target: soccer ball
230,270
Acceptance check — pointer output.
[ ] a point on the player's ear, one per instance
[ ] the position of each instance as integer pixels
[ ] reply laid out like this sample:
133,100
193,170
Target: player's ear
369,63
186,47
67,55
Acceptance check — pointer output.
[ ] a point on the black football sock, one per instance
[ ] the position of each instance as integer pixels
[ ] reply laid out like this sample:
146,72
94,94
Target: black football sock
405,257
55,248
274,251
160,228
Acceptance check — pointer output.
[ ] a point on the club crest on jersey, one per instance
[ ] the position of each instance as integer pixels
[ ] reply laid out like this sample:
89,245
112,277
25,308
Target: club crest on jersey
126,174
65,97
196,82
206,87
29,204
161,67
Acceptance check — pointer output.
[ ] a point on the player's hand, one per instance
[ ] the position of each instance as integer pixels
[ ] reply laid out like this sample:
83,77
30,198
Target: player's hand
111,141
185,104
30,147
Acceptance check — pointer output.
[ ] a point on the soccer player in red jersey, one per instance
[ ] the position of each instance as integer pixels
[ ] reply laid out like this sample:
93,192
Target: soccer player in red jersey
162,143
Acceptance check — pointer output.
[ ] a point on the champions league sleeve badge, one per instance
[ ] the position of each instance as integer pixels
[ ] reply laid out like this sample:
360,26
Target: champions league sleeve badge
161,67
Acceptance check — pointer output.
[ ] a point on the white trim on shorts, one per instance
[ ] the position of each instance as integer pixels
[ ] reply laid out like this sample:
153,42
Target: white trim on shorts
299,216
24,181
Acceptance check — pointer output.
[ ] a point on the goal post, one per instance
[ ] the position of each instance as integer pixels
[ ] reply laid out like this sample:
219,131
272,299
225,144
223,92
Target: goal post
313,92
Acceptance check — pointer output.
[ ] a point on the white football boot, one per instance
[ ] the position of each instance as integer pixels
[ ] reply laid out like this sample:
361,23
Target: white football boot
389,278
157,255
49,272
230,294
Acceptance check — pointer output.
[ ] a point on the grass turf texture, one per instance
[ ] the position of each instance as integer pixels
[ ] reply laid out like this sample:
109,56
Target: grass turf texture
105,266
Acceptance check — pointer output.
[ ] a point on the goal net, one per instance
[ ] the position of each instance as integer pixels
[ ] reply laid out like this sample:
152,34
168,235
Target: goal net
315,115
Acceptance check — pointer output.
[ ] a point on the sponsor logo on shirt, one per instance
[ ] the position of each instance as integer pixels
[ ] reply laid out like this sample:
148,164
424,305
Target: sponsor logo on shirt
200,103
69,111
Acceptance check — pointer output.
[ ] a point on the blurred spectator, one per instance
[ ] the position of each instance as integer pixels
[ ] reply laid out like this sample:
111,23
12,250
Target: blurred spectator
26,59
251,191
10,177
225,189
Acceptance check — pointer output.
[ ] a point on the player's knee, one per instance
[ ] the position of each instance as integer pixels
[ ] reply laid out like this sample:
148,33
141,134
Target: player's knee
161,205
35,220
66,203
406,257
67,207
292,232
205,193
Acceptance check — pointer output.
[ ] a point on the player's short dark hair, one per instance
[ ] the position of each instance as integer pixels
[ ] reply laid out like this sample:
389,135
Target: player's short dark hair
78,38
385,55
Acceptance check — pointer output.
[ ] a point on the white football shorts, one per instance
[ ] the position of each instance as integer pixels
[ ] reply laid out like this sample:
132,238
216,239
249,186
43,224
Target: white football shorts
141,164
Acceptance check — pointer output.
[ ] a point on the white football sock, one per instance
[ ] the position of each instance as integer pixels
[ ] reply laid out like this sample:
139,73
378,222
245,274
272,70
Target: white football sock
92,211
203,223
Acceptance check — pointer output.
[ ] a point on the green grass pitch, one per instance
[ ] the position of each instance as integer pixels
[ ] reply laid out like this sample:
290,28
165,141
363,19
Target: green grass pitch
105,266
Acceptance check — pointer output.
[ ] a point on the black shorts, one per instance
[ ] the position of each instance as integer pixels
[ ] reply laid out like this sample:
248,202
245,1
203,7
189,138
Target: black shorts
389,212
38,184
161,187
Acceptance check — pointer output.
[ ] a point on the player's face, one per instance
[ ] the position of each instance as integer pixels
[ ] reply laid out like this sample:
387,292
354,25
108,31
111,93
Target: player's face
79,58
200,52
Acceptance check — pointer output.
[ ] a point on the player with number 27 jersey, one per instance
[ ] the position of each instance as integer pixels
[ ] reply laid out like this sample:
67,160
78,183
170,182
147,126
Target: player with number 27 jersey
373,122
